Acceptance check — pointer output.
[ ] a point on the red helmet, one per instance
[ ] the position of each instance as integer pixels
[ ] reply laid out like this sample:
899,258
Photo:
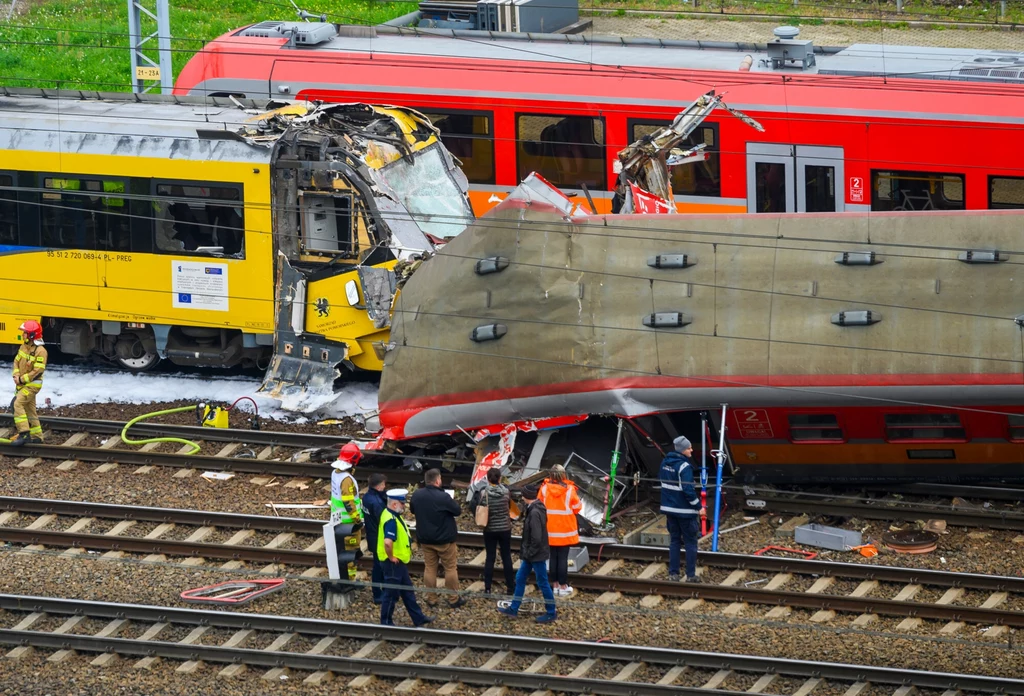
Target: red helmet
351,453
31,331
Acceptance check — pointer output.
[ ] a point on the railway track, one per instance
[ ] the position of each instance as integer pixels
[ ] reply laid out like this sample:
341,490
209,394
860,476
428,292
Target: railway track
741,582
321,649
112,452
885,508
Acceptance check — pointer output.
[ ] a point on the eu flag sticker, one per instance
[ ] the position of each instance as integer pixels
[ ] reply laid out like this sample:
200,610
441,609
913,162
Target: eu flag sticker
185,298
213,271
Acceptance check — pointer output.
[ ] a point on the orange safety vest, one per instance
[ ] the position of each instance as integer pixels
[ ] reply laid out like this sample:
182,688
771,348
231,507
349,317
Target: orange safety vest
562,503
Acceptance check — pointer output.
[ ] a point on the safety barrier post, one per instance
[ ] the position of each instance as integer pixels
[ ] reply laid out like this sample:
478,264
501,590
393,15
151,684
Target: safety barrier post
611,476
705,435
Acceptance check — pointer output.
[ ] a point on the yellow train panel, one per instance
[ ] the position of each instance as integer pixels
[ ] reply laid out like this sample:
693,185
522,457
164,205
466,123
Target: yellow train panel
127,286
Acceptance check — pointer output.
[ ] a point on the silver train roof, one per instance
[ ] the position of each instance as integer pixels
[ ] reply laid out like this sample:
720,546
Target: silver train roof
959,64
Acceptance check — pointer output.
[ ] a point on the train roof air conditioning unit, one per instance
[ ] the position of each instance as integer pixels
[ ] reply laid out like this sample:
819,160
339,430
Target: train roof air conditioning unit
785,48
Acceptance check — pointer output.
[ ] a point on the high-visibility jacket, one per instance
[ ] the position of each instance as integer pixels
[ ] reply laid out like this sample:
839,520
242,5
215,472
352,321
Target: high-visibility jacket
401,547
562,503
345,497
29,365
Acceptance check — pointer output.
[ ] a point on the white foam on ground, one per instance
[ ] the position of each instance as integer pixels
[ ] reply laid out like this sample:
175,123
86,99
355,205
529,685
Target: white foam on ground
71,387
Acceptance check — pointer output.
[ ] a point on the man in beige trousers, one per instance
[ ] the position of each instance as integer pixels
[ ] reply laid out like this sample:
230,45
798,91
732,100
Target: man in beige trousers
436,530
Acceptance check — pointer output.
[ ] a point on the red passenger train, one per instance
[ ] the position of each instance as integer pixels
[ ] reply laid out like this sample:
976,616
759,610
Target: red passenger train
862,128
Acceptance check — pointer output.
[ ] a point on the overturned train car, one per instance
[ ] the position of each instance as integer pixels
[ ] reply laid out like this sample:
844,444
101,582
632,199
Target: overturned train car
857,347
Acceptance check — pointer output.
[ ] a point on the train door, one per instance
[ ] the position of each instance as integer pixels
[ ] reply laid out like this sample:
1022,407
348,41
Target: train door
794,178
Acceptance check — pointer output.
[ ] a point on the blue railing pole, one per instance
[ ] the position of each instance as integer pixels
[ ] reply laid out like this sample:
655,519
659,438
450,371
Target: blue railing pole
720,455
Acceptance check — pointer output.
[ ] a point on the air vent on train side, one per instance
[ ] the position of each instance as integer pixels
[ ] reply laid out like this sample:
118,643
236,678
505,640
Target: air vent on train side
491,264
671,261
859,317
488,332
858,258
667,320
982,256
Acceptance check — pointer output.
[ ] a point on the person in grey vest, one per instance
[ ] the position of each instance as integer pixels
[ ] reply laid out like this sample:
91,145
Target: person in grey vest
498,531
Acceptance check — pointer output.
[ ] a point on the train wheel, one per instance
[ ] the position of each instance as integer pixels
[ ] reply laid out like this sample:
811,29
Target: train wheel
133,355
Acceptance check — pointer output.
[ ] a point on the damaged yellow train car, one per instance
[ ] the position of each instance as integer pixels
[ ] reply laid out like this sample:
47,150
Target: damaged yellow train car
216,232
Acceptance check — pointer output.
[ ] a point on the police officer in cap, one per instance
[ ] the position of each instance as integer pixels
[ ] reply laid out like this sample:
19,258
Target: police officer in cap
394,551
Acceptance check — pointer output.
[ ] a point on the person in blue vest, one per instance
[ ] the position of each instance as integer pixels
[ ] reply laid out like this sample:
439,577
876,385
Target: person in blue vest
682,508
374,503
394,551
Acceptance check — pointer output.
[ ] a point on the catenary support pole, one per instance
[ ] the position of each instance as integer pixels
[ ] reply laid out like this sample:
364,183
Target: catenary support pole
148,20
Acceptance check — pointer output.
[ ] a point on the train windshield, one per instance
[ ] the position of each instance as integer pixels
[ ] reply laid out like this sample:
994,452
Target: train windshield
428,188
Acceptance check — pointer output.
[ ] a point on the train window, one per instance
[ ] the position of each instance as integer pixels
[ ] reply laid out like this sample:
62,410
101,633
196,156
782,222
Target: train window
468,136
1016,427
568,151
1005,192
923,426
81,213
819,427
696,178
916,191
8,210
199,217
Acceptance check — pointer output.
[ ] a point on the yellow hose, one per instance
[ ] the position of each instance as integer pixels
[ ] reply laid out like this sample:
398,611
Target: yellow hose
144,416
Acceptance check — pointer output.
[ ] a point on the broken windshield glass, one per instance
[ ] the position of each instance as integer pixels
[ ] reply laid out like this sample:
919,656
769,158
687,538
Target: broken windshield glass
429,191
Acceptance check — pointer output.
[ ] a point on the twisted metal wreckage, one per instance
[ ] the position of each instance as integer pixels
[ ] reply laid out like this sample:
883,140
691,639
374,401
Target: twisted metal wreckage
540,314
361,193
644,187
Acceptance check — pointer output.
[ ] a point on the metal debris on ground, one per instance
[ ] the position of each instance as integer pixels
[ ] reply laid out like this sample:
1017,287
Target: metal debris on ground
782,549
232,592
218,475
824,537
911,541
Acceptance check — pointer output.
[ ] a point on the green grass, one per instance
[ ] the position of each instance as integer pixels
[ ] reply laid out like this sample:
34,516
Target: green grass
985,12
83,44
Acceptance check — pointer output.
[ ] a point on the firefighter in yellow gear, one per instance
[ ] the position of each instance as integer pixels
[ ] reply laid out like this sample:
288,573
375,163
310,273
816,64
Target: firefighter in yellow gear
28,380
345,504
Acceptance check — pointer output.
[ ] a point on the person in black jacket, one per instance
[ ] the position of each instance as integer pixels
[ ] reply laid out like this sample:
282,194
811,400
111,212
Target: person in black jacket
436,531
534,552
374,503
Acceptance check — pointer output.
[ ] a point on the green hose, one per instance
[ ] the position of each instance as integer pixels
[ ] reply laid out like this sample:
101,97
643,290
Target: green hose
144,416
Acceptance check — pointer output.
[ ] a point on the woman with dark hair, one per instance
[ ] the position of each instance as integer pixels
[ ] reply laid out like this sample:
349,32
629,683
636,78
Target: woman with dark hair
559,496
498,531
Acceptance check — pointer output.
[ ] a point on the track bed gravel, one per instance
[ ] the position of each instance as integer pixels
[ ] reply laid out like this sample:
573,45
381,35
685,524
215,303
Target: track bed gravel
94,578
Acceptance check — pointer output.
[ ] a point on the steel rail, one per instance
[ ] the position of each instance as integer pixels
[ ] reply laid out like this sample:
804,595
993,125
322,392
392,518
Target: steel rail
600,583
347,665
167,547
879,510
255,437
642,554
194,461
489,641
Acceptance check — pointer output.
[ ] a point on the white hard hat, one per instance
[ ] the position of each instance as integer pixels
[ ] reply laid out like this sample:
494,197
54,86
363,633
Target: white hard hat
341,465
